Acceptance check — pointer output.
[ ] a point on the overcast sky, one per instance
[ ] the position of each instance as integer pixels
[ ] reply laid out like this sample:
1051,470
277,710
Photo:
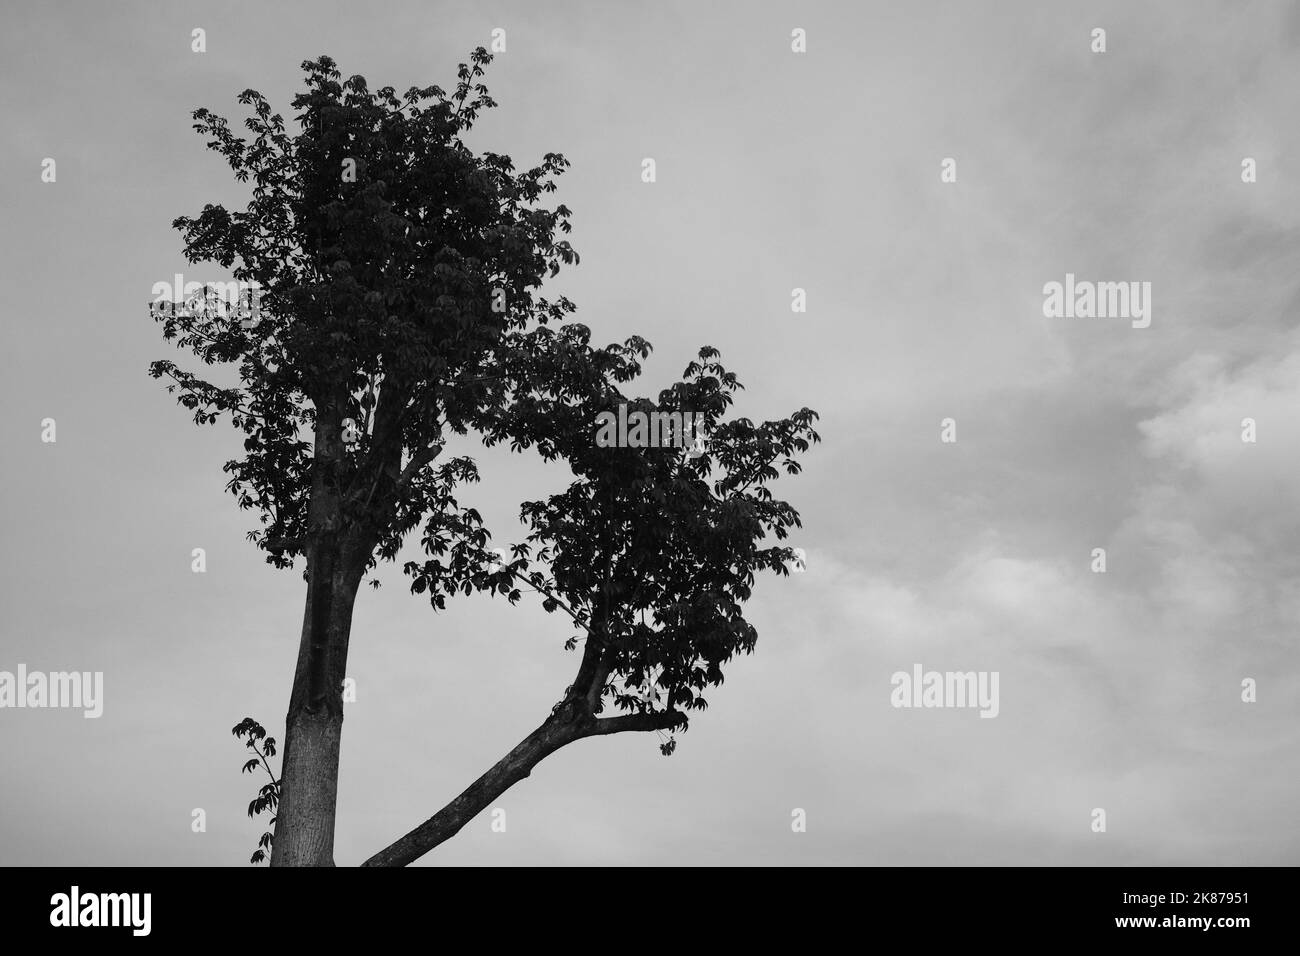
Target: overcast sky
776,170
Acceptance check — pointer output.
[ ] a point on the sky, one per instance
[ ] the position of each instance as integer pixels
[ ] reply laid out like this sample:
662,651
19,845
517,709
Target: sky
1120,691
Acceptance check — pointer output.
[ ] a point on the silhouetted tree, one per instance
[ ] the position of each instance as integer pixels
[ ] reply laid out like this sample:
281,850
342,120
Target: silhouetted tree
399,276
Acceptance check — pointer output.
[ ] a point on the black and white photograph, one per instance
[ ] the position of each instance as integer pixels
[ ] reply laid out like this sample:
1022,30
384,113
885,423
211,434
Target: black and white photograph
653,437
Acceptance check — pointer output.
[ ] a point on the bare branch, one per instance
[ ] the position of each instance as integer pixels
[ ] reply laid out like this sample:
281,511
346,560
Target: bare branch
658,720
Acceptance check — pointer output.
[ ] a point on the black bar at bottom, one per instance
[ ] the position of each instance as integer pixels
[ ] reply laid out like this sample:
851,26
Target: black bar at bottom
649,907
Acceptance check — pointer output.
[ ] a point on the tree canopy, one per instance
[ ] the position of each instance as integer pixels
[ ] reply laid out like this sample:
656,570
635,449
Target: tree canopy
399,276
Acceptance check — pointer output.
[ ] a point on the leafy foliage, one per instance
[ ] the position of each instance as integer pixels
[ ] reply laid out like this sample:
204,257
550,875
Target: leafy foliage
268,797
376,301
651,552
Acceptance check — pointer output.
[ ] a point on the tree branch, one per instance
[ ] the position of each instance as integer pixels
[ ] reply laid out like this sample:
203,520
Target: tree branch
554,733
211,402
596,690
559,602
283,544
657,720
418,461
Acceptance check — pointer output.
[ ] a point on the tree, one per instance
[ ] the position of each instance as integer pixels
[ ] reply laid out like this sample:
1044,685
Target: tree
399,276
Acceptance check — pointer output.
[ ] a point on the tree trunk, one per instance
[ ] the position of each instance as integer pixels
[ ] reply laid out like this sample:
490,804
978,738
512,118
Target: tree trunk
304,828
